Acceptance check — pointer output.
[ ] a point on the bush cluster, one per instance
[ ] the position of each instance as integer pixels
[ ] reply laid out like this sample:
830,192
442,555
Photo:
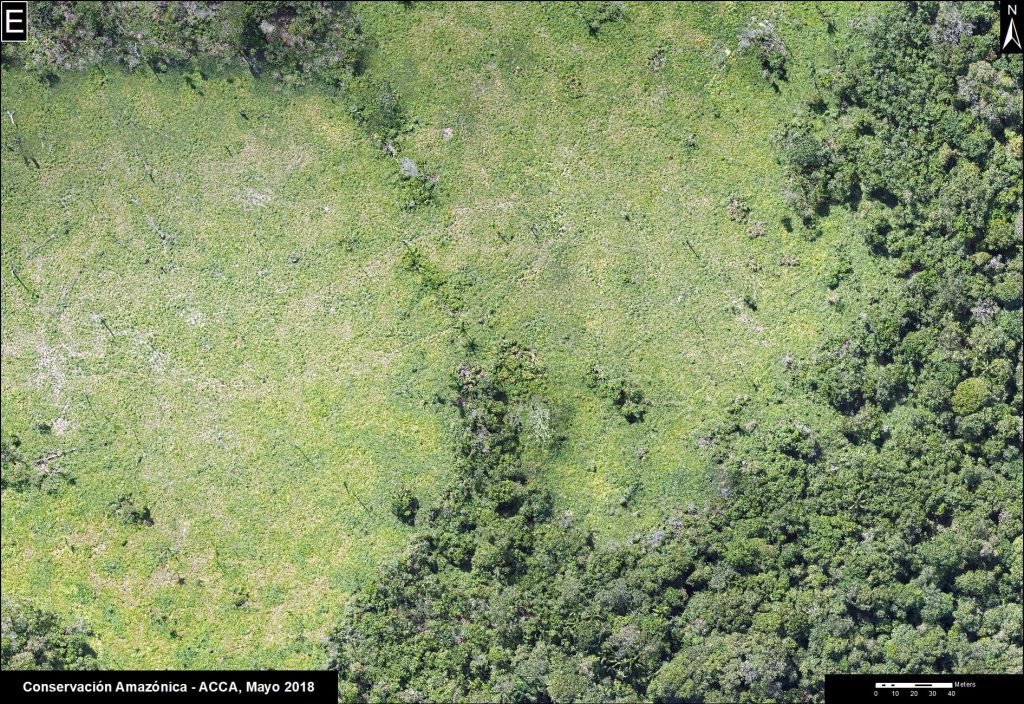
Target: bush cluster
20,474
297,42
32,639
447,289
130,511
597,14
762,39
622,392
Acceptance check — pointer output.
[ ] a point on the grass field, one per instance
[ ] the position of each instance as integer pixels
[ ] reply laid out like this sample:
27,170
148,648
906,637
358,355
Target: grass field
203,301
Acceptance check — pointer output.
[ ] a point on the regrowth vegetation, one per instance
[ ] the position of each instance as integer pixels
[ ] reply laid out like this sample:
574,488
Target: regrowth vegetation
296,42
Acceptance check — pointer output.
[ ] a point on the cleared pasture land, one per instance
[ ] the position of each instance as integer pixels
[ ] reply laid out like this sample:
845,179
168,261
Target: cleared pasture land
204,303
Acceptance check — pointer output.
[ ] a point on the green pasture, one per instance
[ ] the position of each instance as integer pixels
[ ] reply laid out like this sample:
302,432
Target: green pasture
204,303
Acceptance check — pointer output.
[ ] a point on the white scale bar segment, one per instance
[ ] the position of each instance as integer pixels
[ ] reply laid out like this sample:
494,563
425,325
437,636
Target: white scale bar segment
913,685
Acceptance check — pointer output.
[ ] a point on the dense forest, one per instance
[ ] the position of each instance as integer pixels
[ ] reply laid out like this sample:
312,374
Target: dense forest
864,511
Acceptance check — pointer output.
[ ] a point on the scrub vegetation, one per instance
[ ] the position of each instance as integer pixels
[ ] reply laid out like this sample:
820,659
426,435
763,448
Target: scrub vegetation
514,352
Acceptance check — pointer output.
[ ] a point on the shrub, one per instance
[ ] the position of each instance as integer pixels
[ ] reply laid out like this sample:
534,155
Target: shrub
404,506
20,474
447,289
737,209
419,186
624,394
377,107
763,40
840,269
130,511
597,14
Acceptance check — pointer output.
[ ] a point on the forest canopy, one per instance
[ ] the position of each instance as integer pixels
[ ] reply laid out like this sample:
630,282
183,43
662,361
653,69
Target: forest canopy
292,41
